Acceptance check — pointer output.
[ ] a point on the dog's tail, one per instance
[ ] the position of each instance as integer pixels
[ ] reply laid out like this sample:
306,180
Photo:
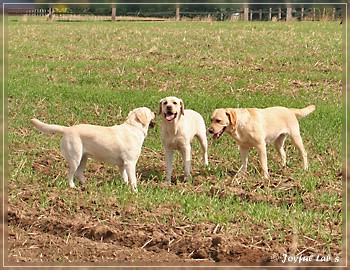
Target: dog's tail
300,113
45,128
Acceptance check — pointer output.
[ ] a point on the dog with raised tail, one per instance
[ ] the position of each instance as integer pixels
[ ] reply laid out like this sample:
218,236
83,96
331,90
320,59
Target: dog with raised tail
118,145
254,127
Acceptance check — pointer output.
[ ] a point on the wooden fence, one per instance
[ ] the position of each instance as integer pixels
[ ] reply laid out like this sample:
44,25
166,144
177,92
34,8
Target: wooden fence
245,14
289,14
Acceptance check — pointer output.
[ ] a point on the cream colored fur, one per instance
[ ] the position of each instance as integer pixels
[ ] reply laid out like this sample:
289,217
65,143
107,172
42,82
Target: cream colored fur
119,144
257,127
179,127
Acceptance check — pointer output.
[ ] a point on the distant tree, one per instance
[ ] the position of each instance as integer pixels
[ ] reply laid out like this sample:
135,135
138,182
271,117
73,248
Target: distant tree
60,9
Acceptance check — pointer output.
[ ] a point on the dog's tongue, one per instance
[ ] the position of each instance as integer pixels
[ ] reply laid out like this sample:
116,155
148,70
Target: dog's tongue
216,136
169,117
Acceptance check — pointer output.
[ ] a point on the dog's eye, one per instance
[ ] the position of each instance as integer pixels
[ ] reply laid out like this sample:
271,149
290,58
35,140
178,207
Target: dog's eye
175,103
218,120
165,102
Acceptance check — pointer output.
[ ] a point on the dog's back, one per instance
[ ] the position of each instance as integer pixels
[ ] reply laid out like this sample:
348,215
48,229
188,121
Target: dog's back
193,122
280,120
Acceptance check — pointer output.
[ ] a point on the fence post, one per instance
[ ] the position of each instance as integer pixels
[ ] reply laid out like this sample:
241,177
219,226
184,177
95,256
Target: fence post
289,14
279,13
50,14
324,14
246,14
302,14
177,16
260,14
270,14
114,12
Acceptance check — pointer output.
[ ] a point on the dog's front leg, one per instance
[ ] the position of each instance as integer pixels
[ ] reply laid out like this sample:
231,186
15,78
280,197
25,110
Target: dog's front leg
186,156
123,174
204,144
71,178
169,163
131,172
263,159
244,157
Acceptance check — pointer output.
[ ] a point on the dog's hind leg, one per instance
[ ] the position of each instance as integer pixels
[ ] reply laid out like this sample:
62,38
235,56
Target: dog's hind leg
296,138
279,143
73,154
80,170
73,165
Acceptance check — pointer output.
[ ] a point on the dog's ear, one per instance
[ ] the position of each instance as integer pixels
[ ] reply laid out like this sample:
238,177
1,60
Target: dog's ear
142,117
182,110
160,106
231,114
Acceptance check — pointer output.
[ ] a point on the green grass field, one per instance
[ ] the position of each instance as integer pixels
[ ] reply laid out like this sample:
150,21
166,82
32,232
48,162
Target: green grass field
96,72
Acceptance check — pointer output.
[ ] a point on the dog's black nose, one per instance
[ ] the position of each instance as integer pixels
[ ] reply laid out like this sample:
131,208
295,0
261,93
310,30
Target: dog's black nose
211,131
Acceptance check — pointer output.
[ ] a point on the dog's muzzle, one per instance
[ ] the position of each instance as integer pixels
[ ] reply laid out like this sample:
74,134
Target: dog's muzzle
170,115
219,134
151,124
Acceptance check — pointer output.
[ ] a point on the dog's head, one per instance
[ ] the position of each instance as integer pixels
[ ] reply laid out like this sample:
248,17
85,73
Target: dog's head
221,119
142,115
171,108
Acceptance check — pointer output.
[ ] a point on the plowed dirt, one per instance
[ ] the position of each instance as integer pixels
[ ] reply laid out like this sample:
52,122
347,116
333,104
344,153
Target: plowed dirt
34,237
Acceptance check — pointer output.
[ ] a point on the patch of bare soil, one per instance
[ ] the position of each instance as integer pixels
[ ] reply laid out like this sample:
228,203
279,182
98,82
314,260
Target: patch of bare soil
35,237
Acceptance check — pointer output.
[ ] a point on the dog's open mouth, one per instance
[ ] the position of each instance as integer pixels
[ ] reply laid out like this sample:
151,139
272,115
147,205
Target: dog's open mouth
218,135
170,116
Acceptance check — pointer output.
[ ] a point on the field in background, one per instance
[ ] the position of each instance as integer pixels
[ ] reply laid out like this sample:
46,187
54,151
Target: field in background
83,18
96,72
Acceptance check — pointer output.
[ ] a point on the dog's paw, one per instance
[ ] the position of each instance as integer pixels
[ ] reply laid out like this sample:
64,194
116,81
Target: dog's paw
71,184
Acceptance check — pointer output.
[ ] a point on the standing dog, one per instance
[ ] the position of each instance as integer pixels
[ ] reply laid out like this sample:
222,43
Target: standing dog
256,127
119,144
179,126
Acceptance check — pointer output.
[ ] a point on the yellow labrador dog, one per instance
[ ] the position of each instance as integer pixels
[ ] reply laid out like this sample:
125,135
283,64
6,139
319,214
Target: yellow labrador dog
119,144
179,127
256,127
